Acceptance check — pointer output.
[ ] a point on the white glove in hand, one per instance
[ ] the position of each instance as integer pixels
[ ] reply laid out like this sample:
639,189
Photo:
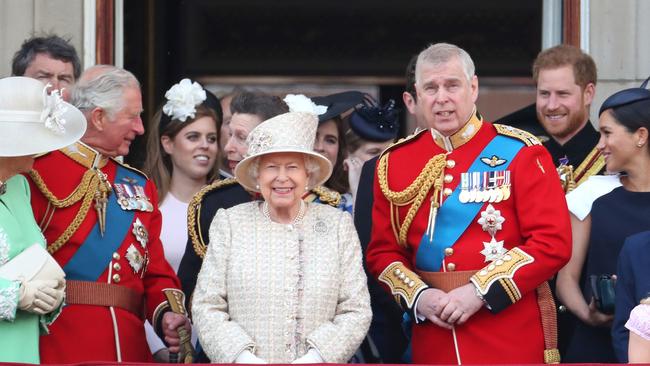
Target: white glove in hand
247,356
40,296
312,356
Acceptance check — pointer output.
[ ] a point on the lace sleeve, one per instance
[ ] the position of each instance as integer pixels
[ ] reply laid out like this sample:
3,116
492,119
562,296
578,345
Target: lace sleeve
639,321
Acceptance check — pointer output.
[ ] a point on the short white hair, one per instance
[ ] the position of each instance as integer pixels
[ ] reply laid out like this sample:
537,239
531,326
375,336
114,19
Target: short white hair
105,90
311,166
440,53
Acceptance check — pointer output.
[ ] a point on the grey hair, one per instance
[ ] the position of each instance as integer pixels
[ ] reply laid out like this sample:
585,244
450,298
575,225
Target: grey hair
440,53
103,88
311,166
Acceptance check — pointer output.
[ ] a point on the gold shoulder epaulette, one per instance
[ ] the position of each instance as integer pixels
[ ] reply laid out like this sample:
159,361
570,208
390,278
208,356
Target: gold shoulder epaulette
194,214
129,167
327,196
403,141
526,137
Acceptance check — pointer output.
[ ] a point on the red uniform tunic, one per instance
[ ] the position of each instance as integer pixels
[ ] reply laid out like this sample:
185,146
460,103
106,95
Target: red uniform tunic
101,333
536,222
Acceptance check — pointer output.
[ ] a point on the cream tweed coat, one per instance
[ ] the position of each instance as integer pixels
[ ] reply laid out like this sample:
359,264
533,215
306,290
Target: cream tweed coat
279,290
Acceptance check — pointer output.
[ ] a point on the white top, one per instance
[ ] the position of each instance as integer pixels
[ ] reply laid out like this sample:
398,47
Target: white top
173,236
580,199
639,321
173,233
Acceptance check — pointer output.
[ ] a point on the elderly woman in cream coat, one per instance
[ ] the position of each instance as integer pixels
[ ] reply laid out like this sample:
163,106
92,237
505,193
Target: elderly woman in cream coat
282,281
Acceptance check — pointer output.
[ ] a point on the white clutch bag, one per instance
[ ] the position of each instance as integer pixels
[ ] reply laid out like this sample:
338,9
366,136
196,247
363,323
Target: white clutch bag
33,263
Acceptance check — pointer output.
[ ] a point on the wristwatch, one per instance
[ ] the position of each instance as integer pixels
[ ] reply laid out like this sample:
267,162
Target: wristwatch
3,187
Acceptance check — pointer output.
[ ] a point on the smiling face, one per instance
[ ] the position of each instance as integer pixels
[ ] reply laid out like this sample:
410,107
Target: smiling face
562,105
120,129
241,124
194,149
327,140
445,95
618,145
282,178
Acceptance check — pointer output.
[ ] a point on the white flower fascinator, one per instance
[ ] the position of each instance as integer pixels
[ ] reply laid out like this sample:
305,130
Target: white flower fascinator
53,110
300,103
182,99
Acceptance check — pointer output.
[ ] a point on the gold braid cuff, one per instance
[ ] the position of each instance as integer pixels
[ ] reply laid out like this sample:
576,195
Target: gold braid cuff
502,271
85,191
194,215
403,282
415,193
176,300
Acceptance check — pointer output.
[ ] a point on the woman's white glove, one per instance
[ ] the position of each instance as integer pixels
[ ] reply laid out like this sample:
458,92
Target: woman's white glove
312,356
249,357
40,296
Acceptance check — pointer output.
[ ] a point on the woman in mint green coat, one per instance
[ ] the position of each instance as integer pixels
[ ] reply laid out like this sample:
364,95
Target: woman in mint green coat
33,120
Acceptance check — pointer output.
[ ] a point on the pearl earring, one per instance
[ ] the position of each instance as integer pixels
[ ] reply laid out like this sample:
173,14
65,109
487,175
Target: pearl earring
257,186
306,188
639,144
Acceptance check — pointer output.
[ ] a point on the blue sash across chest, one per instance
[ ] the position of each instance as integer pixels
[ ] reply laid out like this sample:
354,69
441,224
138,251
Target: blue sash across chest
95,254
455,217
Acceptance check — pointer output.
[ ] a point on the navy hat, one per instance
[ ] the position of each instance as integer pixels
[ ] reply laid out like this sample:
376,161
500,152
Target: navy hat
375,123
626,96
338,103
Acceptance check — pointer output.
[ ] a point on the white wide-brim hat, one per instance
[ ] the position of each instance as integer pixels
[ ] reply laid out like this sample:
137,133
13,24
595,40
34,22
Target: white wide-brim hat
33,121
292,132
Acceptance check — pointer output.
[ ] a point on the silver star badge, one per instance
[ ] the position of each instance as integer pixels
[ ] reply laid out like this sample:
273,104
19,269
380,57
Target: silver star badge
140,232
135,258
493,250
491,220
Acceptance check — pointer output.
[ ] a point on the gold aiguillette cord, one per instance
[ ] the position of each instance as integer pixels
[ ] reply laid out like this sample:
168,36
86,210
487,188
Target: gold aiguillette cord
101,199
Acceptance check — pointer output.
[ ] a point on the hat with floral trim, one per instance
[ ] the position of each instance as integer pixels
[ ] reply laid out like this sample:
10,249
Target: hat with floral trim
292,132
33,121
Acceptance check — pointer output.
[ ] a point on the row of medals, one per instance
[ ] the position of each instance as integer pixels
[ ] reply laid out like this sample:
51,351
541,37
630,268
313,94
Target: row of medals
484,186
132,197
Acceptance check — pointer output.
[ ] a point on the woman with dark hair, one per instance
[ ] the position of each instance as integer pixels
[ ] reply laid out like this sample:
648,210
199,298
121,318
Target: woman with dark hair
584,285
182,150
330,141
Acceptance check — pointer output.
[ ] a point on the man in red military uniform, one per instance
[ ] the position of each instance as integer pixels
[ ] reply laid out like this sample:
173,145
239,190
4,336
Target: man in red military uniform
469,221
102,225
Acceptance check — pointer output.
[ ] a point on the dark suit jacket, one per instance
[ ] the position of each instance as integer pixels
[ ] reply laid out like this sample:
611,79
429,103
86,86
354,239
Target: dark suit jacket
632,285
385,329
